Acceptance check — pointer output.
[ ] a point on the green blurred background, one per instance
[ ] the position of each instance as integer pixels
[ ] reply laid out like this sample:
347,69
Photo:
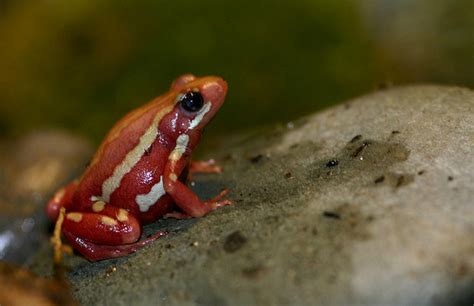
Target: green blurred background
81,65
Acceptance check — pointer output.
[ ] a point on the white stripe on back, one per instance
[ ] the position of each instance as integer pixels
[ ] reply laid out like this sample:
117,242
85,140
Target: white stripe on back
132,157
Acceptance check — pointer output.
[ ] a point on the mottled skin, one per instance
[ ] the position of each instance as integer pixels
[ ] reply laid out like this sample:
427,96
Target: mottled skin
143,159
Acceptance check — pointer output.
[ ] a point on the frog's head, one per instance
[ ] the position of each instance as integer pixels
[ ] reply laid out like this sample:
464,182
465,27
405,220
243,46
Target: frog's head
198,100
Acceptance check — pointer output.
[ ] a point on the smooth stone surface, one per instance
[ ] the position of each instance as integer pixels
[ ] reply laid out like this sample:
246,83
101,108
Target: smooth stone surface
366,203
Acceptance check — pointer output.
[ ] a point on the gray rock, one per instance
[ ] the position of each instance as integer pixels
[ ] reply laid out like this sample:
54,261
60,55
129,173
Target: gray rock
367,203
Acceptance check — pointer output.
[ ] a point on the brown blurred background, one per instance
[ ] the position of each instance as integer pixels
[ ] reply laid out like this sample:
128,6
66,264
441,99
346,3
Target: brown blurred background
81,65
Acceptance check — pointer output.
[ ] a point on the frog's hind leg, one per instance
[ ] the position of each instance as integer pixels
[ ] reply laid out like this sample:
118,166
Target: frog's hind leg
105,232
59,247
94,252
62,198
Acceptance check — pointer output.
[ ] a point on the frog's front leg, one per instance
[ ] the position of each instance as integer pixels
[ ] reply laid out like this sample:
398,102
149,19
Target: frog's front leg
184,197
105,232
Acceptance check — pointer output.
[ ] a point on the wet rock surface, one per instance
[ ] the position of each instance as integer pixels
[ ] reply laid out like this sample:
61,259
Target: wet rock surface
369,202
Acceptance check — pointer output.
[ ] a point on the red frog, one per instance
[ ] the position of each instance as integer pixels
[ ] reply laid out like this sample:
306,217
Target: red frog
138,173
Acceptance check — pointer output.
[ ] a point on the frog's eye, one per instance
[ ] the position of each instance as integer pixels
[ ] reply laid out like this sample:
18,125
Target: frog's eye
191,101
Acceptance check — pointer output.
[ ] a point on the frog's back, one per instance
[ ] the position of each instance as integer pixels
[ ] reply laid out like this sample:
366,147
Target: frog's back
126,148
126,134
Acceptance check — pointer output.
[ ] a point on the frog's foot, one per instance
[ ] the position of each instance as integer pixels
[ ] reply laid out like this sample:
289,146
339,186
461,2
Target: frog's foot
58,246
217,201
203,166
94,252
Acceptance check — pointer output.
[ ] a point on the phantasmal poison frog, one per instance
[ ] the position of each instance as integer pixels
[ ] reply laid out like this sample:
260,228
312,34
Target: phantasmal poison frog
138,174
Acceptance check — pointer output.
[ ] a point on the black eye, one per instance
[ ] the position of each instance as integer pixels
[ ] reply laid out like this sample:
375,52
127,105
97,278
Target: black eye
191,101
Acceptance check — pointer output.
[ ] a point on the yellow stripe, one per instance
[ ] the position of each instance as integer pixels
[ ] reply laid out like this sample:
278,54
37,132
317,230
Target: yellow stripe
133,156
117,129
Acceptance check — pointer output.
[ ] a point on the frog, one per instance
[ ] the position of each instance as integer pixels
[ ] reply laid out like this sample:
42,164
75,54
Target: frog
139,174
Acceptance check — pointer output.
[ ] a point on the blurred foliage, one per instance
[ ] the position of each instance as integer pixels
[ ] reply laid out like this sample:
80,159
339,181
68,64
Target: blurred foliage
423,40
82,65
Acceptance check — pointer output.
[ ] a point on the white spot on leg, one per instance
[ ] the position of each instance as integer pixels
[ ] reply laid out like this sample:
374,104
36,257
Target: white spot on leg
74,216
98,206
145,201
206,108
122,215
108,221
